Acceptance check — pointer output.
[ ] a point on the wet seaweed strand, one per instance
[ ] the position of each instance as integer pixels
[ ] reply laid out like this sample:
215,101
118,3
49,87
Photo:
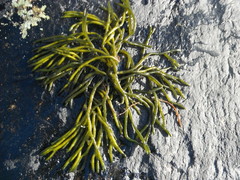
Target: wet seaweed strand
89,58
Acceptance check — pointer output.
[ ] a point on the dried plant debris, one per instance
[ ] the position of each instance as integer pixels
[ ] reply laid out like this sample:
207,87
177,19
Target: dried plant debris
92,62
30,15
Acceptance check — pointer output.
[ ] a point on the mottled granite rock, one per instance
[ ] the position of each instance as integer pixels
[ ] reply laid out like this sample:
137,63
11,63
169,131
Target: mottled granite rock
207,147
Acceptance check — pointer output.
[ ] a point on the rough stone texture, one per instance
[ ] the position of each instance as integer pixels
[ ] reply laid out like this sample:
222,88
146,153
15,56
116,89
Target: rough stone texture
207,147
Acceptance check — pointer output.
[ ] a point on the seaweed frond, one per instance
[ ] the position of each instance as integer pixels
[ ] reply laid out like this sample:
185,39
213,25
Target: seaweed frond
95,65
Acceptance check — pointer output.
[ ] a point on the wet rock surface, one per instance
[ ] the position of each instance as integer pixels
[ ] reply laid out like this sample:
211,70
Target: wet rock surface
207,147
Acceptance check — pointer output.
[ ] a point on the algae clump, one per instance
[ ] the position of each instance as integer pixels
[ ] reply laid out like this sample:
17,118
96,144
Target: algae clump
94,64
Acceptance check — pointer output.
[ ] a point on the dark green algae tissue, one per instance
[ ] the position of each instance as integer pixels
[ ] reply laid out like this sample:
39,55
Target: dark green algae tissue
92,62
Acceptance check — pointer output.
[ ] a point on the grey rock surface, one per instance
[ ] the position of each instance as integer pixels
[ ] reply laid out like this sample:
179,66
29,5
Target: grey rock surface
208,145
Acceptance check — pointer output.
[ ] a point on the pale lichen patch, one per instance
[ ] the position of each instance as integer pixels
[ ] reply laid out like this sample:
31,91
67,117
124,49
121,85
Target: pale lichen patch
29,13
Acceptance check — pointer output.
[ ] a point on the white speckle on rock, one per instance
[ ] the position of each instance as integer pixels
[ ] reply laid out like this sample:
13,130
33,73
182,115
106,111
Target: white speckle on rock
10,164
34,162
71,175
63,114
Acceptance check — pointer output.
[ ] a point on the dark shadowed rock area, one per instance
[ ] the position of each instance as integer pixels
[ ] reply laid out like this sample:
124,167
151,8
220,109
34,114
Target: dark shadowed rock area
208,145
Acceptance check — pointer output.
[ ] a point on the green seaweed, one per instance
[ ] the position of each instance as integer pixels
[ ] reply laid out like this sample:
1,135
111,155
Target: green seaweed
92,62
